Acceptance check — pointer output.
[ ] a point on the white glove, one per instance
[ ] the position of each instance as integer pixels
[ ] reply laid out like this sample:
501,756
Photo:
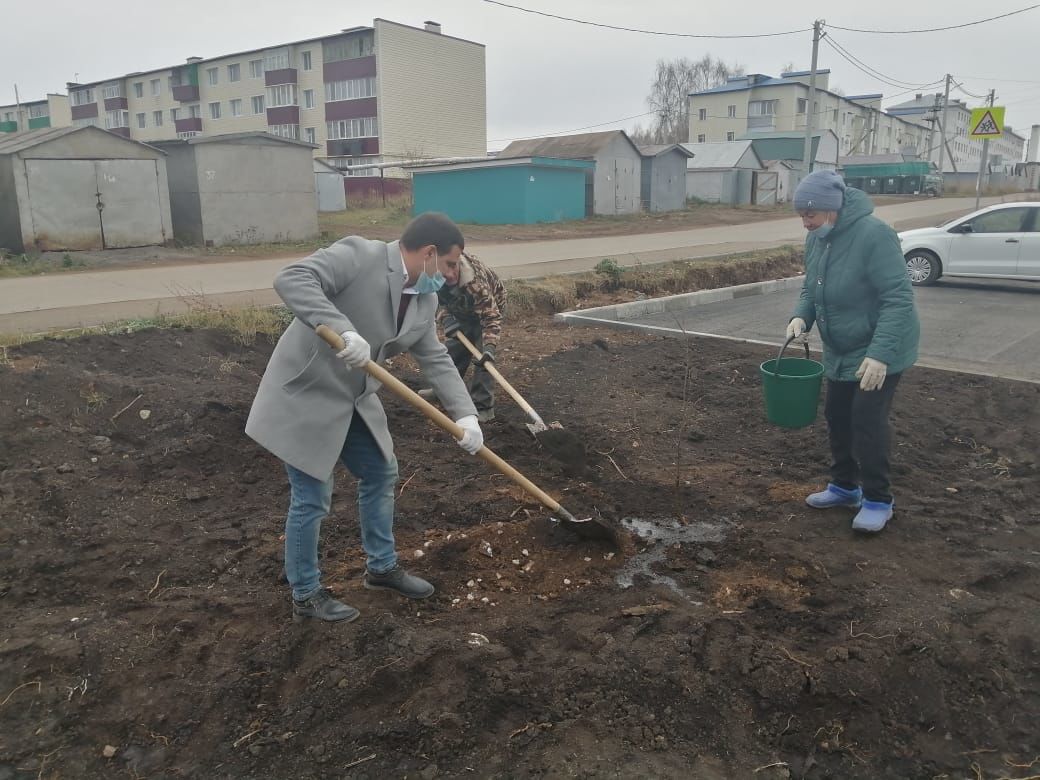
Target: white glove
357,352
871,374
796,331
472,437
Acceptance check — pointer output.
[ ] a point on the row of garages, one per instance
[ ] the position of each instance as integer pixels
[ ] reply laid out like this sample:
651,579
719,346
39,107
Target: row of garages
85,188
574,176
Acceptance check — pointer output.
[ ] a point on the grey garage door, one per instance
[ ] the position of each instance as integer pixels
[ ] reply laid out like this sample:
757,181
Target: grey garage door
94,204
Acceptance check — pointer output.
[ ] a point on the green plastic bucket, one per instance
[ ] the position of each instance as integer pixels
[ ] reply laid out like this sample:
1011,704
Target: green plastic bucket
791,387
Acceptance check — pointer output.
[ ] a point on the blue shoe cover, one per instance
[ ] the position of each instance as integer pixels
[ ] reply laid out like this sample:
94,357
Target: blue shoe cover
835,496
872,517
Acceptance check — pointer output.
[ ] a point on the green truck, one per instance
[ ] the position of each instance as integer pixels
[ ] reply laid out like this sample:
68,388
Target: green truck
905,178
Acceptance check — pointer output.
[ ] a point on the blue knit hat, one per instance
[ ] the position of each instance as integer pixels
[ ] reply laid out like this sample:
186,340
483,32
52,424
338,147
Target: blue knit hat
820,191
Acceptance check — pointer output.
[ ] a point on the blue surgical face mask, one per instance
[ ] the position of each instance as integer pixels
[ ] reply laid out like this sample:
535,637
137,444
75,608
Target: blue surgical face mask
823,230
429,284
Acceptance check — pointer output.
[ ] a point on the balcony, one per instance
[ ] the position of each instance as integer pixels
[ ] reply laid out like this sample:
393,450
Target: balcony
189,124
353,147
343,70
283,115
85,111
272,78
761,124
115,103
186,93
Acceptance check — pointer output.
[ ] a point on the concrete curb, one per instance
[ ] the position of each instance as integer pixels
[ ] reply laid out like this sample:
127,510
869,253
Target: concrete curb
621,312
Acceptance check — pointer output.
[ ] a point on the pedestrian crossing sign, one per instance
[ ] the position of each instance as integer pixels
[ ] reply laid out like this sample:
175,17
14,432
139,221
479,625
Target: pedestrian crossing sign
986,122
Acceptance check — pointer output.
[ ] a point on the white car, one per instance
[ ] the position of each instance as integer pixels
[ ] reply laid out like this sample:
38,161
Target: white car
998,242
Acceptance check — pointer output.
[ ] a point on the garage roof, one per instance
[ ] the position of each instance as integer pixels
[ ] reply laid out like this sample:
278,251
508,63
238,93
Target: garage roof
19,142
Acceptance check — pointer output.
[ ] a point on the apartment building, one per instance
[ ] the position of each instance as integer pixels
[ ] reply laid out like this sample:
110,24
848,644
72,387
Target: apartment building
963,155
364,95
53,111
757,103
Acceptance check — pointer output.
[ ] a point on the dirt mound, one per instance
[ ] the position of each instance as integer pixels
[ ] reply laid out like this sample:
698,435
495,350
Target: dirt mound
737,633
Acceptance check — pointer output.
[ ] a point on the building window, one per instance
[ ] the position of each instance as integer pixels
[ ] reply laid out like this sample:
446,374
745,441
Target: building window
214,110
700,138
285,131
234,72
350,89
277,59
308,98
157,118
212,76
731,112
762,107
256,69
730,136
306,57
835,115
90,121
282,95
140,120
802,104
194,111
702,114
114,119
308,135
258,104
173,114
156,87
82,97
35,112
112,90
352,128
138,89
235,107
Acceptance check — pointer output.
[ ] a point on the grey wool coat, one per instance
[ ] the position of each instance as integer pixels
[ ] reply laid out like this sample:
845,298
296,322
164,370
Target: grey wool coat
307,396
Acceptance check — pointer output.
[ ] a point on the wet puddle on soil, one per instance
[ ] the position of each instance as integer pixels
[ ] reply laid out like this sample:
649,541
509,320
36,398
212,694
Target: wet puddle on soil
659,535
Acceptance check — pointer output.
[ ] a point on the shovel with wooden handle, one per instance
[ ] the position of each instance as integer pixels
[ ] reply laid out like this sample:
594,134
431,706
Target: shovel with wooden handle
589,528
536,425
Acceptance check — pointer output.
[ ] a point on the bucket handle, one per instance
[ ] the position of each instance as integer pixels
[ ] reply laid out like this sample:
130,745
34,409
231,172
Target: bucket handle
784,347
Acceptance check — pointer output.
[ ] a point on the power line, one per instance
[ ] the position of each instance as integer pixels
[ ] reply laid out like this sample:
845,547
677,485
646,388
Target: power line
638,30
573,130
937,29
890,80
960,86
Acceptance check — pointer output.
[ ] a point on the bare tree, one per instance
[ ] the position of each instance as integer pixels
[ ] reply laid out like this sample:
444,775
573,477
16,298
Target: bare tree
669,94
788,68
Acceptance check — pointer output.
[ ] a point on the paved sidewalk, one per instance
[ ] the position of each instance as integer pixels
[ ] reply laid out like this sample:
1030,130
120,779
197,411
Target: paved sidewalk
67,300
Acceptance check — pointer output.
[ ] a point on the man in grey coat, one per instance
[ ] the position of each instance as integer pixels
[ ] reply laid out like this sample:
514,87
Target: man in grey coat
315,407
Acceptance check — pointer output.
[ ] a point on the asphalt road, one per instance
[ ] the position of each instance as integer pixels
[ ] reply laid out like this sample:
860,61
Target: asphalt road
982,327
75,299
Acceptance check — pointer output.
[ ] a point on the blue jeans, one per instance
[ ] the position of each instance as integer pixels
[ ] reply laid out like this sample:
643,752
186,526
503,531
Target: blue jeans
311,498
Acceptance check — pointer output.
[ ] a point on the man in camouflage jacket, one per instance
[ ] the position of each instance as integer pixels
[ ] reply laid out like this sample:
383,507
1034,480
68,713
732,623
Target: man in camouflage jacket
473,307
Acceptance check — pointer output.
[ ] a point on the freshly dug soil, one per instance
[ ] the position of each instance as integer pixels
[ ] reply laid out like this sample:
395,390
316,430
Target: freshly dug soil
737,633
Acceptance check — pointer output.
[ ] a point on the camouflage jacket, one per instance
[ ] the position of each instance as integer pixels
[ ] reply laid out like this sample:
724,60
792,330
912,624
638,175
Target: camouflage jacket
479,297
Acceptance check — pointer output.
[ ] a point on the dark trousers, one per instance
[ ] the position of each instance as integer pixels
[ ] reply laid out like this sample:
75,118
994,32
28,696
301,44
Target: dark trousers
481,385
857,423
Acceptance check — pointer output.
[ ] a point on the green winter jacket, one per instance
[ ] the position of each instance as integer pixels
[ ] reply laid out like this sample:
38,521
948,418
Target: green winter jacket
858,294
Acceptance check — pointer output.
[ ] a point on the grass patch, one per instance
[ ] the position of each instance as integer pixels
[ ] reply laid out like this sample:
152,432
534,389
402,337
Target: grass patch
559,293
245,325
33,264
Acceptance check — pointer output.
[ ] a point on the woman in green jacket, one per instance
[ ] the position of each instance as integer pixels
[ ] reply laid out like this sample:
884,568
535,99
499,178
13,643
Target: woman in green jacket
859,296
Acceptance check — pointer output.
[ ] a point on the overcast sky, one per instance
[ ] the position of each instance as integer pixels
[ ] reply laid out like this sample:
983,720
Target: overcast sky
545,75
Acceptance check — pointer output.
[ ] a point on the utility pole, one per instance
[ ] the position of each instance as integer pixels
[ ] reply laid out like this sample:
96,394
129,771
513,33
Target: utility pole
942,127
810,111
985,156
931,130
17,110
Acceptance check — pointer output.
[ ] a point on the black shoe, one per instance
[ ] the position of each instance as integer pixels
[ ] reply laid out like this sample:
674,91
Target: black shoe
400,581
322,606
